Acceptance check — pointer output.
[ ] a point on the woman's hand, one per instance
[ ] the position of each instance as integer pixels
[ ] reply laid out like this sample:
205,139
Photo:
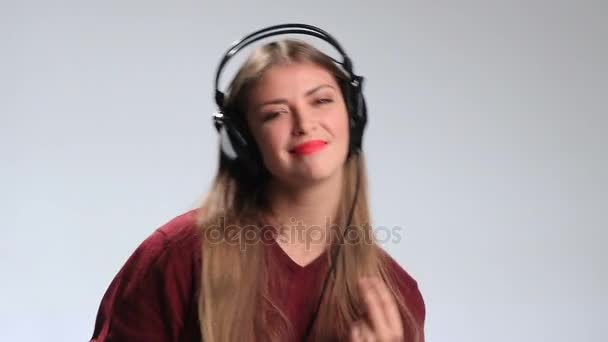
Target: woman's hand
383,321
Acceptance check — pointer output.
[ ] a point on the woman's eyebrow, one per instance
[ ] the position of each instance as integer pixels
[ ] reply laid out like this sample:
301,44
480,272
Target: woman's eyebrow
313,90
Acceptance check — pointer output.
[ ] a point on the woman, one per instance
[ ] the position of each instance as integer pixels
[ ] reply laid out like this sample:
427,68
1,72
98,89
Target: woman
254,262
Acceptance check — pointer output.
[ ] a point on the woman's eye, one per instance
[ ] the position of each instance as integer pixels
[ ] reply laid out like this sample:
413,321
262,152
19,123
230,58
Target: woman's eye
325,100
269,116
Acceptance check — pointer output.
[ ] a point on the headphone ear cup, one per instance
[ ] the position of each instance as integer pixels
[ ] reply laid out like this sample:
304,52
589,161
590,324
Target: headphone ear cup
226,145
357,110
237,148
236,144
227,137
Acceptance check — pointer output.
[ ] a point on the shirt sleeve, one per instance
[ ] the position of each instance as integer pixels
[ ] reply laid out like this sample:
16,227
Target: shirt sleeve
410,291
149,297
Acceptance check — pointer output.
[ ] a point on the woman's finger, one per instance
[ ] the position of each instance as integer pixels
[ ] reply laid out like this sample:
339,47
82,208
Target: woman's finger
356,335
362,332
389,309
375,312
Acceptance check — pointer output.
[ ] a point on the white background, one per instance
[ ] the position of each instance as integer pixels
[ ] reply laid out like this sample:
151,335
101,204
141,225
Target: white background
486,144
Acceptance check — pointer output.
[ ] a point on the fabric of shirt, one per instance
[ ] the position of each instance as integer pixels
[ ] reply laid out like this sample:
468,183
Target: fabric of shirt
154,296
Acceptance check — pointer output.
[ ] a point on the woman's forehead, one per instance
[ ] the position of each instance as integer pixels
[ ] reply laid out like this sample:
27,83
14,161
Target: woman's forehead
285,78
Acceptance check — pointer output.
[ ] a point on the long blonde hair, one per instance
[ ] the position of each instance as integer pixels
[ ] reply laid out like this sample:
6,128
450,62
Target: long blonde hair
237,305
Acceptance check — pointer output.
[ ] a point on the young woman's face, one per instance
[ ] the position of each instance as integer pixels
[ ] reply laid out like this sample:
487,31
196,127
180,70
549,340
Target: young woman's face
298,117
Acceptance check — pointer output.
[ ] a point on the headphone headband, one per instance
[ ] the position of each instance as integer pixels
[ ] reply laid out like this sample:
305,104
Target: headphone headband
274,31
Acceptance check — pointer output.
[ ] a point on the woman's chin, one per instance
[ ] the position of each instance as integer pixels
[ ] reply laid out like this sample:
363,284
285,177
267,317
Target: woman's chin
313,175
306,172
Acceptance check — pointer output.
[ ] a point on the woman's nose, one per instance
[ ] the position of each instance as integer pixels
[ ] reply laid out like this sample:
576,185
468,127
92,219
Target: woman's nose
303,121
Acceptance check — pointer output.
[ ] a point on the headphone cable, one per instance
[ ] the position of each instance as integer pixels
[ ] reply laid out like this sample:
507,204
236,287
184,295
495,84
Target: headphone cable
333,262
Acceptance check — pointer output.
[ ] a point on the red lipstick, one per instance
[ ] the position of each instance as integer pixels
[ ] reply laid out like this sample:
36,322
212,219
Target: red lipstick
309,147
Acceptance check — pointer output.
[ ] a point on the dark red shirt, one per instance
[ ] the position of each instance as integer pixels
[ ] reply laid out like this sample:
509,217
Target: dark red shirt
154,295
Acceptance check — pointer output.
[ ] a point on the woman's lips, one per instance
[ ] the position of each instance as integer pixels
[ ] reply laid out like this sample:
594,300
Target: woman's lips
309,147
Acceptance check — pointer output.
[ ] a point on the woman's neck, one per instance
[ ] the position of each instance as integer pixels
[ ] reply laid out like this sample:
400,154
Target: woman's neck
305,214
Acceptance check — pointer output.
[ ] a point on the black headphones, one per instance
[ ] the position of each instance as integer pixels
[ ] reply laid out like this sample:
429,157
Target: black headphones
237,144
